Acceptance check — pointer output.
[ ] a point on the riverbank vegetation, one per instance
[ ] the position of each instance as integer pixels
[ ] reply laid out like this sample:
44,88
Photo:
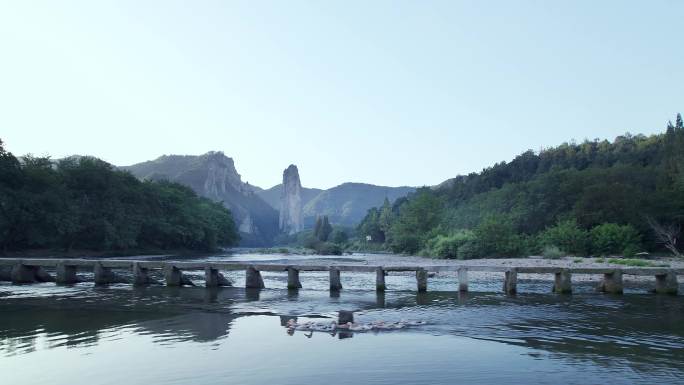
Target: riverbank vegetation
84,203
323,239
591,198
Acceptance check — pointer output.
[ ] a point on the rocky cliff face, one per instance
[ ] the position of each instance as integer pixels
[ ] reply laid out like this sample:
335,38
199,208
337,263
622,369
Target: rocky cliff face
272,195
213,175
291,217
262,214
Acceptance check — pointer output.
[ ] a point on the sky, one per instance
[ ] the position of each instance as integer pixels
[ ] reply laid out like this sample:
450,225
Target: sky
384,92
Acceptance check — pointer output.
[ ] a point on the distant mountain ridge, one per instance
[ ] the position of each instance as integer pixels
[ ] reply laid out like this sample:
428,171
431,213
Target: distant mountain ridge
272,195
256,211
345,204
213,175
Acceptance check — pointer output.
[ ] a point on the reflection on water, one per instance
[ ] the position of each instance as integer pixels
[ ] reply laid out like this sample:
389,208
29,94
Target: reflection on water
156,335
233,335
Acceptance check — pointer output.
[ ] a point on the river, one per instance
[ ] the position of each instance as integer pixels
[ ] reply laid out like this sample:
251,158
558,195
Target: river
83,334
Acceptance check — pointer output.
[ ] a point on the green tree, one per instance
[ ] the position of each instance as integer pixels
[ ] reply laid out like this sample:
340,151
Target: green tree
670,151
496,237
370,226
339,236
567,236
448,246
322,228
84,203
326,229
613,239
386,217
416,219
317,227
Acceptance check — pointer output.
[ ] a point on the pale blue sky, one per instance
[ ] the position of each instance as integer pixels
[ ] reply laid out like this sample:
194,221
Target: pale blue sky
385,92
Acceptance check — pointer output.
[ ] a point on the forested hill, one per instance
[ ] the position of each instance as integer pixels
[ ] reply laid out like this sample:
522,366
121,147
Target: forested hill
595,197
213,176
345,205
84,203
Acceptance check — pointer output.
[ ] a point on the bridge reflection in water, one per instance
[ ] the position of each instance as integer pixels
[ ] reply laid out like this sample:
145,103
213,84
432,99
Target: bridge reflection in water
615,331
142,273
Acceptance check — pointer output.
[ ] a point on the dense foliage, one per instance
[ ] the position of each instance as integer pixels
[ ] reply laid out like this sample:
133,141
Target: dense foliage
594,197
215,169
324,238
322,229
83,203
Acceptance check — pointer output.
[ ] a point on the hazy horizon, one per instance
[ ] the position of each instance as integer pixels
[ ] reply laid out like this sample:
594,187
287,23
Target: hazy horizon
388,93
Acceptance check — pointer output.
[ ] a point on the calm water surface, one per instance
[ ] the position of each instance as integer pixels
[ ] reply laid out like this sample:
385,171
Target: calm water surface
156,335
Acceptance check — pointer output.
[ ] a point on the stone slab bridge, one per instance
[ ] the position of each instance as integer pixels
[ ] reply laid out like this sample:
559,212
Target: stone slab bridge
22,271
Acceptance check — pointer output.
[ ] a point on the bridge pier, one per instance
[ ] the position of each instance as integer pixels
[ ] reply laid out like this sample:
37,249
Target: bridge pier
29,270
612,283
422,279
253,279
66,274
510,285
293,279
173,276
104,275
23,274
42,275
667,283
563,282
380,279
335,280
6,273
213,278
463,279
140,275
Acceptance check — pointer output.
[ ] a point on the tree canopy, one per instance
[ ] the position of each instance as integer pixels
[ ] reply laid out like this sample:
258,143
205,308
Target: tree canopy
84,203
554,197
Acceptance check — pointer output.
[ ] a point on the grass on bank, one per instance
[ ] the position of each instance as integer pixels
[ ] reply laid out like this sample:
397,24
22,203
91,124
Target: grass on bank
633,262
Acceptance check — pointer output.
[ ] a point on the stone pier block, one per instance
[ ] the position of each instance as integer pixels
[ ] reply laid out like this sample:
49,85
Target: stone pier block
5,273
335,280
213,278
42,275
563,282
173,276
380,280
463,279
253,279
293,279
66,274
612,282
23,274
422,279
104,275
667,283
140,275
510,285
